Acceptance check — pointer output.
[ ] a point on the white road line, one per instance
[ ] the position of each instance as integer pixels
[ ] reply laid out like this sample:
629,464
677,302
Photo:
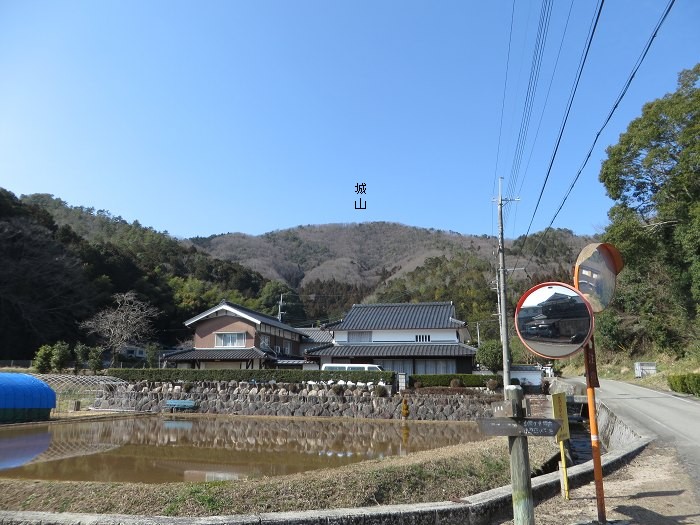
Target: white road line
692,402
672,430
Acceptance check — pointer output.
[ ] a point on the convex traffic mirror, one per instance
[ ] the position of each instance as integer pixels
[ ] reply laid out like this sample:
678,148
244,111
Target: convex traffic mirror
554,320
595,274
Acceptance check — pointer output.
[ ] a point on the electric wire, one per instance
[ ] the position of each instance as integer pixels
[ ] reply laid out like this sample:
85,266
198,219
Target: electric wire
544,106
616,104
582,62
503,104
535,67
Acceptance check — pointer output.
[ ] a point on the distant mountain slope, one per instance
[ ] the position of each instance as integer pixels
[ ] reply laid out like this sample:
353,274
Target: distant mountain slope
367,253
353,253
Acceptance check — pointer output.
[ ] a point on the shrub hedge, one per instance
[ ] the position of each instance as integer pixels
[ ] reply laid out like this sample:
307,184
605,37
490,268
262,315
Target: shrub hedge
174,375
260,376
468,380
685,383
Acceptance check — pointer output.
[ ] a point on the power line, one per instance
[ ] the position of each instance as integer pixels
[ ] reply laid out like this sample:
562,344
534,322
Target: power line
616,104
569,104
567,112
535,66
503,101
546,100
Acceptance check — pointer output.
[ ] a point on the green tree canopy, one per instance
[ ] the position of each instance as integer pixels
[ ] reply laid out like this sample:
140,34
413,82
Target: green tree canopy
490,355
653,174
463,279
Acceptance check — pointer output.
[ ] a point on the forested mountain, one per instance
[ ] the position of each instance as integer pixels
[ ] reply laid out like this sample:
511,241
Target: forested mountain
318,271
53,278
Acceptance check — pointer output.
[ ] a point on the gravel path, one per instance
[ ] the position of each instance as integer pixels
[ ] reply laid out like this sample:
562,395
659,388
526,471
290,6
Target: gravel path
653,489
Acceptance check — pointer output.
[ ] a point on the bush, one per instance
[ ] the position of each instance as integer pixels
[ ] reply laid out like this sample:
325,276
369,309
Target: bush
42,359
468,380
95,359
60,356
685,383
252,376
456,383
380,391
692,381
80,352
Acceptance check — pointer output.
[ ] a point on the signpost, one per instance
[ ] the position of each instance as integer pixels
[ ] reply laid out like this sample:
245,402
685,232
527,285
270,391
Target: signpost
559,411
519,426
556,320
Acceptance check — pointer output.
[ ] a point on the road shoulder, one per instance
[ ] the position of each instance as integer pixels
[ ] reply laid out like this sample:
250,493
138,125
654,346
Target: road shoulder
652,489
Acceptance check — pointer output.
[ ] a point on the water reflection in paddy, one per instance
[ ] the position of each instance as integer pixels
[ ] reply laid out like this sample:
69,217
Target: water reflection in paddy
157,450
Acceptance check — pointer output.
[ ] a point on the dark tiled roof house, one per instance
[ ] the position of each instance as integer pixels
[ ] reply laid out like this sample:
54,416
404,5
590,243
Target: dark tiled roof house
416,338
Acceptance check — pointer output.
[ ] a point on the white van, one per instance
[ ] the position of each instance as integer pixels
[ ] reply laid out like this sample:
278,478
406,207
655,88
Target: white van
345,367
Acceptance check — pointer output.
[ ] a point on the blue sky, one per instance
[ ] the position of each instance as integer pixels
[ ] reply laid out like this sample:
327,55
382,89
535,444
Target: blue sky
199,118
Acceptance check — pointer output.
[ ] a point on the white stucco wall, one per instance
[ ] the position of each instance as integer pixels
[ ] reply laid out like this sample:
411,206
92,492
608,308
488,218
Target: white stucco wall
404,336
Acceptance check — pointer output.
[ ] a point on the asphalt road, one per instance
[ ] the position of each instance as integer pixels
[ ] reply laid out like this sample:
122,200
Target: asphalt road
672,419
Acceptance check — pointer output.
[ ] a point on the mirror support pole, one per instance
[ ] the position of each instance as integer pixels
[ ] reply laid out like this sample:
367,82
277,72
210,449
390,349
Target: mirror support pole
591,380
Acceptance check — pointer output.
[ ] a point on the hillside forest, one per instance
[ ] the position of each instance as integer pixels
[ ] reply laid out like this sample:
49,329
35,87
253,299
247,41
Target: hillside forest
63,264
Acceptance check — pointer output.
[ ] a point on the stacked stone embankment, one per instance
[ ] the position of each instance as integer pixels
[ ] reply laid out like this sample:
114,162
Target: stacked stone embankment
291,400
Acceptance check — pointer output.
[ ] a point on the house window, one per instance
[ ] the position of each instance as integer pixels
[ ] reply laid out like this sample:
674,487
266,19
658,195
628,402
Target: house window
359,337
287,347
436,366
265,341
233,339
423,338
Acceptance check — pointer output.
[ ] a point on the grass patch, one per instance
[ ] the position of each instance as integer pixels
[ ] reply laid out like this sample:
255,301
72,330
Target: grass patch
621,368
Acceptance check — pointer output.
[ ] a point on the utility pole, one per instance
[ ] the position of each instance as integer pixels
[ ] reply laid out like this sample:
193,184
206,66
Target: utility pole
502,311
279,308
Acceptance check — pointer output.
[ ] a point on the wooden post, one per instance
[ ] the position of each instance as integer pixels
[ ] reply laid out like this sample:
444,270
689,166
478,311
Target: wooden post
521,486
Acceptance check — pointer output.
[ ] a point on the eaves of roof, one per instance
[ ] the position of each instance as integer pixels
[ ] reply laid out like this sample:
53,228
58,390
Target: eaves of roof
316,335
246,313
313,350
426,350
217,354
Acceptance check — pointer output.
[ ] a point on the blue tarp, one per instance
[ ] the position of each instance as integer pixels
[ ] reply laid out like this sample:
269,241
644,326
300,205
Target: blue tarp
25,391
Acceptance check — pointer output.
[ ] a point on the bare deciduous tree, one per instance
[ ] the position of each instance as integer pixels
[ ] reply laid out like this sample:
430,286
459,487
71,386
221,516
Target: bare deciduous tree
130,321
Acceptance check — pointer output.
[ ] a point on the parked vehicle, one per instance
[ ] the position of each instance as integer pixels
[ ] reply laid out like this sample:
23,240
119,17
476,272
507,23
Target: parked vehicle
346,367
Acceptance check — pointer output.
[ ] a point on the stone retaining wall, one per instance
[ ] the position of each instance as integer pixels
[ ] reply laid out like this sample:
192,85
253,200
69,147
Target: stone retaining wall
308,400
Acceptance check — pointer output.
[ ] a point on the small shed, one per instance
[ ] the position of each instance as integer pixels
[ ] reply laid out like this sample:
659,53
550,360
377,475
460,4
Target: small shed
529,376
643,369
24,398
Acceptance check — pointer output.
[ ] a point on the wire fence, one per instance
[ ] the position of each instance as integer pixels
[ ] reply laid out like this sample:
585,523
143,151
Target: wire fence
74,392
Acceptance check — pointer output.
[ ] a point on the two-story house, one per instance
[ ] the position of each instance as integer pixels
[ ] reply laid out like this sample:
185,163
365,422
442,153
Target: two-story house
416,338
232,336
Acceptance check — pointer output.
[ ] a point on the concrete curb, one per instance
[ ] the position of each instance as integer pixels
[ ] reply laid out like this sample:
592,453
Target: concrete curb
478,509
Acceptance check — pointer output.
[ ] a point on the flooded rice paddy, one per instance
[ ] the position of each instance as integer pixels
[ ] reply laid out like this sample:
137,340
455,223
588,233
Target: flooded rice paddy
153,449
